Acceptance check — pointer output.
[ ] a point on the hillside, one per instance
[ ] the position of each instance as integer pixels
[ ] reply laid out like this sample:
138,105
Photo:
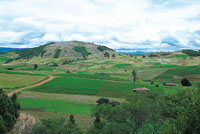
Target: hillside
65,51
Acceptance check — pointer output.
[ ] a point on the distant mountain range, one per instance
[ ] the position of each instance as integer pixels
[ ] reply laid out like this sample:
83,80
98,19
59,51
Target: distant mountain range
131,51
6,49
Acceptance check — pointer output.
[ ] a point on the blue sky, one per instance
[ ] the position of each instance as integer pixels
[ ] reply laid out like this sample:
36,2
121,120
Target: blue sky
138,25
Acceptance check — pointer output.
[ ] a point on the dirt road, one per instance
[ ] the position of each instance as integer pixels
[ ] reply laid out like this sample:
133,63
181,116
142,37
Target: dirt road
35,85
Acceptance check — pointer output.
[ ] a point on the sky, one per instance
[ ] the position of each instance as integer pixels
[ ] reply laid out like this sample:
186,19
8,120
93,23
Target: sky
124,25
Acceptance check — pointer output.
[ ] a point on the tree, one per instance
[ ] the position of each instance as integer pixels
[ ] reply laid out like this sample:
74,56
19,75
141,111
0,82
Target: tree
56,126
134,75
3,128
103,101
185,82
113,56
9,111
72,120
182,112
106,54
35,66
16,105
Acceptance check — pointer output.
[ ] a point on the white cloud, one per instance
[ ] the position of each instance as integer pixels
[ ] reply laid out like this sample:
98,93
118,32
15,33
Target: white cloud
134,24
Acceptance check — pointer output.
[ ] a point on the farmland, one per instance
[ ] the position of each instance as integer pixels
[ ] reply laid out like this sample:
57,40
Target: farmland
14,81
79,83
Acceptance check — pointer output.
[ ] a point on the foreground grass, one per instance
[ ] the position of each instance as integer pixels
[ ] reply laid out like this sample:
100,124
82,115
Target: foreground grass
84,121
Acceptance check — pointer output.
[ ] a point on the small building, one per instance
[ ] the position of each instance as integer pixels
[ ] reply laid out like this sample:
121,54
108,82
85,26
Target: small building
169,84
144,89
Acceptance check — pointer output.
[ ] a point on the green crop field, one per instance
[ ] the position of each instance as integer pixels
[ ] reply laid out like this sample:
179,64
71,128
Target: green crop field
22,73
83,86
104,76
122,65
59,106
182,56
71,86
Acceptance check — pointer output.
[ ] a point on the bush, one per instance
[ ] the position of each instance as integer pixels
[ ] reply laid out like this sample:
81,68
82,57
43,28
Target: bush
56,126
10,69
185,82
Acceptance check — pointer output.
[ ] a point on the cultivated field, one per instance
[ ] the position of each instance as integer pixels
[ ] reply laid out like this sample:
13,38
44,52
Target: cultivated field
79,84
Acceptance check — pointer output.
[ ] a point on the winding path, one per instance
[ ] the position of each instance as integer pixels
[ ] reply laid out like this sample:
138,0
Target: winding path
34,85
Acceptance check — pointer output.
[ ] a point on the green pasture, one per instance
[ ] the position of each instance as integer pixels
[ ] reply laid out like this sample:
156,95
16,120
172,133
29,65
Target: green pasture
104,76
122,65
71,85
13,81
57,106
182,56
85,86
20,72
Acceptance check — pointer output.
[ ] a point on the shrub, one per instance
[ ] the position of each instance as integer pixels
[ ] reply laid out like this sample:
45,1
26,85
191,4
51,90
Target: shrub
10,69
185,82
56,126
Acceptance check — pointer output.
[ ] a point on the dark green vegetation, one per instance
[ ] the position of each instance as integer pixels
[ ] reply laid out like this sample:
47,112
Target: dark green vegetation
82,50
9,112
30,53
57,54
57,126
103,48
150,113
191,52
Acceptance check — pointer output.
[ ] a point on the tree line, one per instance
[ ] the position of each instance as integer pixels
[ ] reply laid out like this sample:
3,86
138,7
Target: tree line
9,111
142,113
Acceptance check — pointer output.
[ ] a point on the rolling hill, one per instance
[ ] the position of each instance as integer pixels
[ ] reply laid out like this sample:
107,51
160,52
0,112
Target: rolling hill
72,50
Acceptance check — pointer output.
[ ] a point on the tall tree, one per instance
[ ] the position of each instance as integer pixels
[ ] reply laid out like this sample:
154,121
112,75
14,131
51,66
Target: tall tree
9,111
134,75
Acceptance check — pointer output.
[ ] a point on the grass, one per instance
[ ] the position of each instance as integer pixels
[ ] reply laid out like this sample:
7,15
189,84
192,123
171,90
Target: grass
22,73
104,76
154,63
106,62
71,86
122,65
182,56
183,70
65,97
83,86
58,106
13,81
